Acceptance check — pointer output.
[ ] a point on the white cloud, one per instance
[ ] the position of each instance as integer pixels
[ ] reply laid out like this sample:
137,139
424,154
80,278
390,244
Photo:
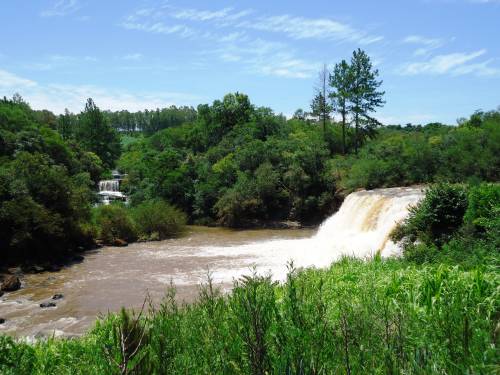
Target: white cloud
152,19
453,63
133,57
61,8
427,44
10,80
256,55
311,28
159,28
57,97
225,14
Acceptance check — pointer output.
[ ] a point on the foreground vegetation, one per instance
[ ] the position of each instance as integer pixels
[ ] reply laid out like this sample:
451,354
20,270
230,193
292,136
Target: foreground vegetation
356,317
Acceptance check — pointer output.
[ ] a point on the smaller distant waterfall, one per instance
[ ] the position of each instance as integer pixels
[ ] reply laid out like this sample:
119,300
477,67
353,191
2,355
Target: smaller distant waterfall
109,185
109,190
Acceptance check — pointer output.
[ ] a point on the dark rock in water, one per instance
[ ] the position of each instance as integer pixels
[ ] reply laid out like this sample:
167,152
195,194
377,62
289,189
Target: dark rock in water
44,305
78,258
1,293
30,268
119,242
53,268
57,296
37,269
2,320
15,271
10,284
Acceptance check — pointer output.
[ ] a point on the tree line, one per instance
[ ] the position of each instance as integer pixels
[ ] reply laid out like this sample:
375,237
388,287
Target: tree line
147,122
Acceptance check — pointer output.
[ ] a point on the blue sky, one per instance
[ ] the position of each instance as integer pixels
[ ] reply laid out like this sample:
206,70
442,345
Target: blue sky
439,59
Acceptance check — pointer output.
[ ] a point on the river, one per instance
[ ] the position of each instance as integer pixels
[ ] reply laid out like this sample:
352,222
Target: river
112,277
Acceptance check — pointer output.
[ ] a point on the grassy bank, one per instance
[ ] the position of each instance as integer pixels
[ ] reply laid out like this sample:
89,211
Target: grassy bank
381,316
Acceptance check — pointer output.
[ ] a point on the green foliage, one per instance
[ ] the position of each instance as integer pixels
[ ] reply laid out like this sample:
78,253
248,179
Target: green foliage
483,210
433,153
380,316
453,224
158,220
45,188
150,122
210,168
96,135
364,96
341,80
150,220
236,164
114,222
436,218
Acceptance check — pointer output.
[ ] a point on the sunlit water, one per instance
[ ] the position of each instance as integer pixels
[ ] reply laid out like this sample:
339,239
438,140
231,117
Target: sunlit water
109,278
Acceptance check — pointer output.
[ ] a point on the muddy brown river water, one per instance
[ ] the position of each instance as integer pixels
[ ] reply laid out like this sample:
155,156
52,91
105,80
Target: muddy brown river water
112,277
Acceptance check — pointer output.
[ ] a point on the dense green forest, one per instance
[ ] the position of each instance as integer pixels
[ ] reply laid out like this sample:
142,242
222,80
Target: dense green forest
235,164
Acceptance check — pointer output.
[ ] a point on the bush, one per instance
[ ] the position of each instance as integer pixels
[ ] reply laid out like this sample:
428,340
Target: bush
483,211
436,218
439,229
114,223
157,219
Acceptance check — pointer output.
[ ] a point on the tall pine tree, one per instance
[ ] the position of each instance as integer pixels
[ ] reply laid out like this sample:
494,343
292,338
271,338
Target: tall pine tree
96,134
320,107
341,81
365,97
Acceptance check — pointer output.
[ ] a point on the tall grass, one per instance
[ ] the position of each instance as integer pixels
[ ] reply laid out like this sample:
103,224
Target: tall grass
382,316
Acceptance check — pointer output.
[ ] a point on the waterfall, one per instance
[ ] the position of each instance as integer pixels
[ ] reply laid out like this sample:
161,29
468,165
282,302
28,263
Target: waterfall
360,228
109,185
365,220
109,190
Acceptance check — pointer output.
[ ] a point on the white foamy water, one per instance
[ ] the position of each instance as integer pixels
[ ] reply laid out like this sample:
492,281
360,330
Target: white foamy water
360,228
109,185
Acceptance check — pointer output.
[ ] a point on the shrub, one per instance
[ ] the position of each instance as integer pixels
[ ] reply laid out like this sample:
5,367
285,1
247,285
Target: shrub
483,211
157,219
436,218
114,222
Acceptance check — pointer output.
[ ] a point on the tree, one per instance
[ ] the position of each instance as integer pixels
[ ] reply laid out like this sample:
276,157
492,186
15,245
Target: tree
299,114
96,134
341,81
365,97
320,106
65,124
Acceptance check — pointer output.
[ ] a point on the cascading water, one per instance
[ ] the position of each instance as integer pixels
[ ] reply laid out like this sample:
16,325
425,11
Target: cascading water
109,190
109,185
365,220
360,228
